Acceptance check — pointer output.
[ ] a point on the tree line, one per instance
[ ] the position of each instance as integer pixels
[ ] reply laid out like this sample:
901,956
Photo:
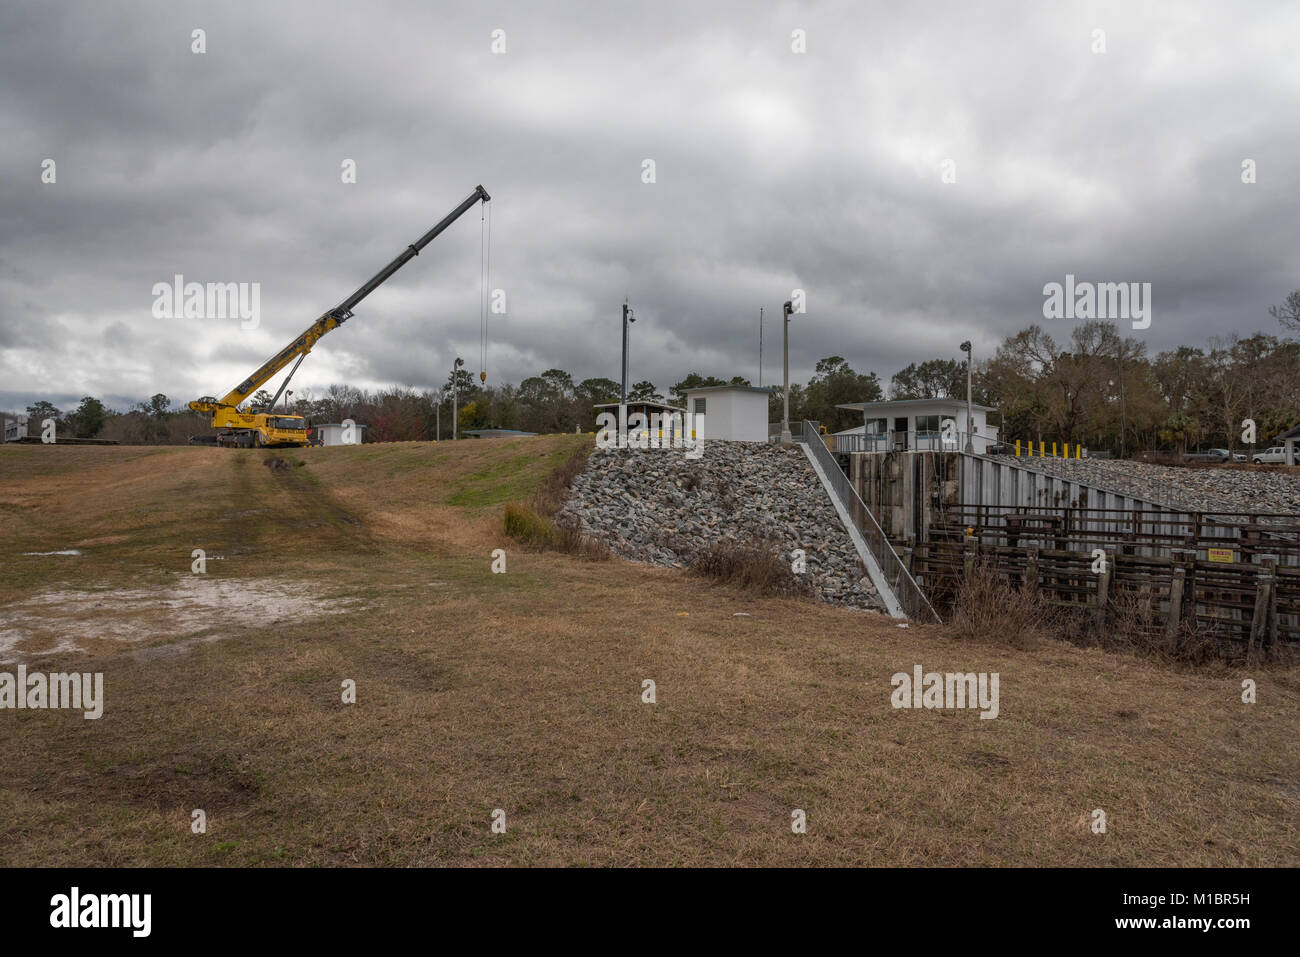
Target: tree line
1096,387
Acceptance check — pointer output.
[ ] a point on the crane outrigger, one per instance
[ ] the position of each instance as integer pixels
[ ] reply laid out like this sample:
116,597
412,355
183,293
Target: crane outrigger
255,428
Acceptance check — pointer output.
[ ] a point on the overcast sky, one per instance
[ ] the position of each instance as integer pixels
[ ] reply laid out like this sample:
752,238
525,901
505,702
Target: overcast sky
775,170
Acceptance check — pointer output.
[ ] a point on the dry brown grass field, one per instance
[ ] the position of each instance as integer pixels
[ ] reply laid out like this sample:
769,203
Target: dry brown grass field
522,691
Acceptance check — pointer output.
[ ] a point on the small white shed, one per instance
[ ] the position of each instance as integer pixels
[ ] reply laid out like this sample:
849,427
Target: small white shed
338,433
732,413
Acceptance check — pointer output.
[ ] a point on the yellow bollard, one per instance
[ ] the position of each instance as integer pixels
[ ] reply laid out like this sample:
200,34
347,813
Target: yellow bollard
1053,450
1017,448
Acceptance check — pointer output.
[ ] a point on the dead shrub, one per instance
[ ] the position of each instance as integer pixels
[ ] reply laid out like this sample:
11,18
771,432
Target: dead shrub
549,499
752,565
569,538
1136,624
989,607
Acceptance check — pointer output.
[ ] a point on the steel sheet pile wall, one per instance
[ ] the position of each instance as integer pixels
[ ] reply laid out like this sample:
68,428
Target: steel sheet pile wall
1000,484
909,492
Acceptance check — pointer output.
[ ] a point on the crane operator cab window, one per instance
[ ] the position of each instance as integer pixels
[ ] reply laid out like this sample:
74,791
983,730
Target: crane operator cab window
287,422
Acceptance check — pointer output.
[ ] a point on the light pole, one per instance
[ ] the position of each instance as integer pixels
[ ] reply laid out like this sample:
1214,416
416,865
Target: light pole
786,438
970,418
454,367
628,317
288,395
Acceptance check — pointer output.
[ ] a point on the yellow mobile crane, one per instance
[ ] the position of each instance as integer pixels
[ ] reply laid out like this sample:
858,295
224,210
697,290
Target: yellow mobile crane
259,427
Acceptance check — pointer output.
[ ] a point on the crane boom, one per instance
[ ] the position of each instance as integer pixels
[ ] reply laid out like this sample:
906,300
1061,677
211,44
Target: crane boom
224,412
344,309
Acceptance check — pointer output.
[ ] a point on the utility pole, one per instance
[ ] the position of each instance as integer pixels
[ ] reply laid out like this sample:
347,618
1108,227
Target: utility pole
628,317
970,418
454,367
760,347
1122,424
786,438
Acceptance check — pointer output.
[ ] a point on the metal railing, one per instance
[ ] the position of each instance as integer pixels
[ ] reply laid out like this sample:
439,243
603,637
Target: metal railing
910,441
904,586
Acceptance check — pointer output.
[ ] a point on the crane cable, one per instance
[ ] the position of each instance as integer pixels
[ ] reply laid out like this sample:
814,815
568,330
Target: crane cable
485,281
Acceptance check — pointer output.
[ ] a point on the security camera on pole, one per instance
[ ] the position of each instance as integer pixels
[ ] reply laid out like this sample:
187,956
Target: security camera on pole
786,438
970,418
628,317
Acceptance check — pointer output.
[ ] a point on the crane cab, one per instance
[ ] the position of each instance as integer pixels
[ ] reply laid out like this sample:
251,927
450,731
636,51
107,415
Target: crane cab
245,430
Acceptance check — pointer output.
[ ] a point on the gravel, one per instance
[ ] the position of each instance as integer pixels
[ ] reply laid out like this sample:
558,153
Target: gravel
659,507
1188,489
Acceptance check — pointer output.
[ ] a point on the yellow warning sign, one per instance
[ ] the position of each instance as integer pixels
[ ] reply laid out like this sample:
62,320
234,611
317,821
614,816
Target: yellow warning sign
1220,555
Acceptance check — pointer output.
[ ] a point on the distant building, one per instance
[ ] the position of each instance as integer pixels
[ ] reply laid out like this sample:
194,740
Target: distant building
14,428
1290,439
732,413
917,425
333,433
494,433
643,406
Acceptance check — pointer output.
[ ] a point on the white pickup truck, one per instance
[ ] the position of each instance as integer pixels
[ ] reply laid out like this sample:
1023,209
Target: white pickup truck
1273,456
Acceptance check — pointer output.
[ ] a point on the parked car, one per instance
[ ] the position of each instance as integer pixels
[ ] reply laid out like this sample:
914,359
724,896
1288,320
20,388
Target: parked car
1239,457
1274,456
1208,457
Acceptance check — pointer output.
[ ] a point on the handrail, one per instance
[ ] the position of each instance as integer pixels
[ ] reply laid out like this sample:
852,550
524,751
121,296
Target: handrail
905,588
912,440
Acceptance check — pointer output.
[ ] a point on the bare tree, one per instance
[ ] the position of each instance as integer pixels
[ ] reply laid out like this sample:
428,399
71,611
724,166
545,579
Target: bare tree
1288,314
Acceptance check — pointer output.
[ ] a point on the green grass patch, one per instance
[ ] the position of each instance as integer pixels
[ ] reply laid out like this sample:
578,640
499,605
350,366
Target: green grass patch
517,477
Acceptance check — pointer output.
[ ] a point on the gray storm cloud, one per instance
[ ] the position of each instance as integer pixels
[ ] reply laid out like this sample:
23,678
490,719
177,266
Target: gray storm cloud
774,170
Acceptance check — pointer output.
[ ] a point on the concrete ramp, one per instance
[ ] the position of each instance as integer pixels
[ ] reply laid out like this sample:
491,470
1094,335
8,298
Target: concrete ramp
893,580
887,596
